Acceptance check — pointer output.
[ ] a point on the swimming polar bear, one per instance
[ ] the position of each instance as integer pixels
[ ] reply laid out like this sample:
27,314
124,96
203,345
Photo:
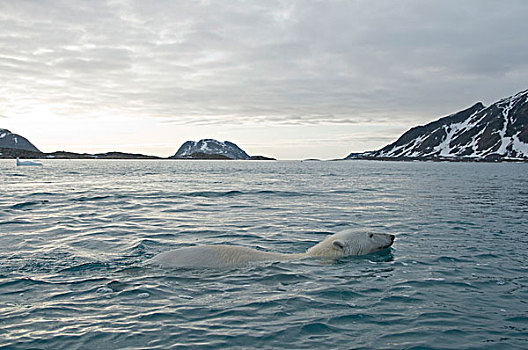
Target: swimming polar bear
338,245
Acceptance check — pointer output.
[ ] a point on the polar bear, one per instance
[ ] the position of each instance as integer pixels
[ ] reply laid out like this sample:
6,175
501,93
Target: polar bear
338,245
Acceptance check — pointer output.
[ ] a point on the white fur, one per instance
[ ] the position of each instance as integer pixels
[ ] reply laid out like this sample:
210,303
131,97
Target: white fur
335,246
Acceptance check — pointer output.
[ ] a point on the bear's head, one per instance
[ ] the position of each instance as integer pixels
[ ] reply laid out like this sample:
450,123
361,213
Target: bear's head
351,242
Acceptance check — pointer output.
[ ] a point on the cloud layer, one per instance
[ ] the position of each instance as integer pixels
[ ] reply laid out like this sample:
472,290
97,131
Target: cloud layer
259,62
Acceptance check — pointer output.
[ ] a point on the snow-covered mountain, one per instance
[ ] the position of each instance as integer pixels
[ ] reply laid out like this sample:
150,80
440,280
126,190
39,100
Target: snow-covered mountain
210,149
10,140
497,132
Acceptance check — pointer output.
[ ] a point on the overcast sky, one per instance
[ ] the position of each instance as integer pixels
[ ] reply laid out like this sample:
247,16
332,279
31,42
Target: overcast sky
288,79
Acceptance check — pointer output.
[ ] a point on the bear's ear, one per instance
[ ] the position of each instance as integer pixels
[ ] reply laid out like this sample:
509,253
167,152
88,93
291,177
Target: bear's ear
338,244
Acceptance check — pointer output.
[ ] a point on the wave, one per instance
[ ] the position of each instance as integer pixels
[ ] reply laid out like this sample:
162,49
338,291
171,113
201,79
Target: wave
24,205
96,198
47,194
213,194
17,175
234,193
90,266
16,287
90,198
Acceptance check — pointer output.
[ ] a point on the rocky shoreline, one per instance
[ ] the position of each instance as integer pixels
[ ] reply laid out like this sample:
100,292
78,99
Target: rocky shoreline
489,159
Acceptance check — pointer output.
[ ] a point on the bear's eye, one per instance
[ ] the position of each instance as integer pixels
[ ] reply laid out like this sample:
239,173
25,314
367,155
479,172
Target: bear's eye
371,235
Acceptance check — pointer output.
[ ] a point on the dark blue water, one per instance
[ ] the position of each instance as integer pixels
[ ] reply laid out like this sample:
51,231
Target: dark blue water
74,237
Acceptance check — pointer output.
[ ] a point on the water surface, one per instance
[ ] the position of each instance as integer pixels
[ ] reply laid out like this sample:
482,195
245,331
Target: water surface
74,237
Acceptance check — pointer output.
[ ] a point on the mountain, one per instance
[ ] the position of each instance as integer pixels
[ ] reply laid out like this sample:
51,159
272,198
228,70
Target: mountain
15,141
495,133
210,149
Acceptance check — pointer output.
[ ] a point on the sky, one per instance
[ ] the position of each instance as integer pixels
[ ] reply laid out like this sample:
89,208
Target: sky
286,79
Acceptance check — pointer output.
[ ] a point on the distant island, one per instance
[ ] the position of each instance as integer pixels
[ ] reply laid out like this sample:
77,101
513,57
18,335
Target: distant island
213,149
16,146
490,134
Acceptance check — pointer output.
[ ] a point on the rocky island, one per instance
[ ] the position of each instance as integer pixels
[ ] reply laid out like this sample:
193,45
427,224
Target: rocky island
213,149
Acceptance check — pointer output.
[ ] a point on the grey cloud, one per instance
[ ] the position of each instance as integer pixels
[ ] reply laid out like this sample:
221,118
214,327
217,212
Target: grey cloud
284,62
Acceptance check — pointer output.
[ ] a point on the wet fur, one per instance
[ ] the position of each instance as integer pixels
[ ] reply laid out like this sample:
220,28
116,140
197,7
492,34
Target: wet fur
342,244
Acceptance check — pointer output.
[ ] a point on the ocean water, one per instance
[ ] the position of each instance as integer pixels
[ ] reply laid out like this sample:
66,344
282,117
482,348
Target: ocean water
75,236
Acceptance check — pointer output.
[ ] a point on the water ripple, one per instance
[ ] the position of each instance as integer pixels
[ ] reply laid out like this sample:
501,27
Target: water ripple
27,205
